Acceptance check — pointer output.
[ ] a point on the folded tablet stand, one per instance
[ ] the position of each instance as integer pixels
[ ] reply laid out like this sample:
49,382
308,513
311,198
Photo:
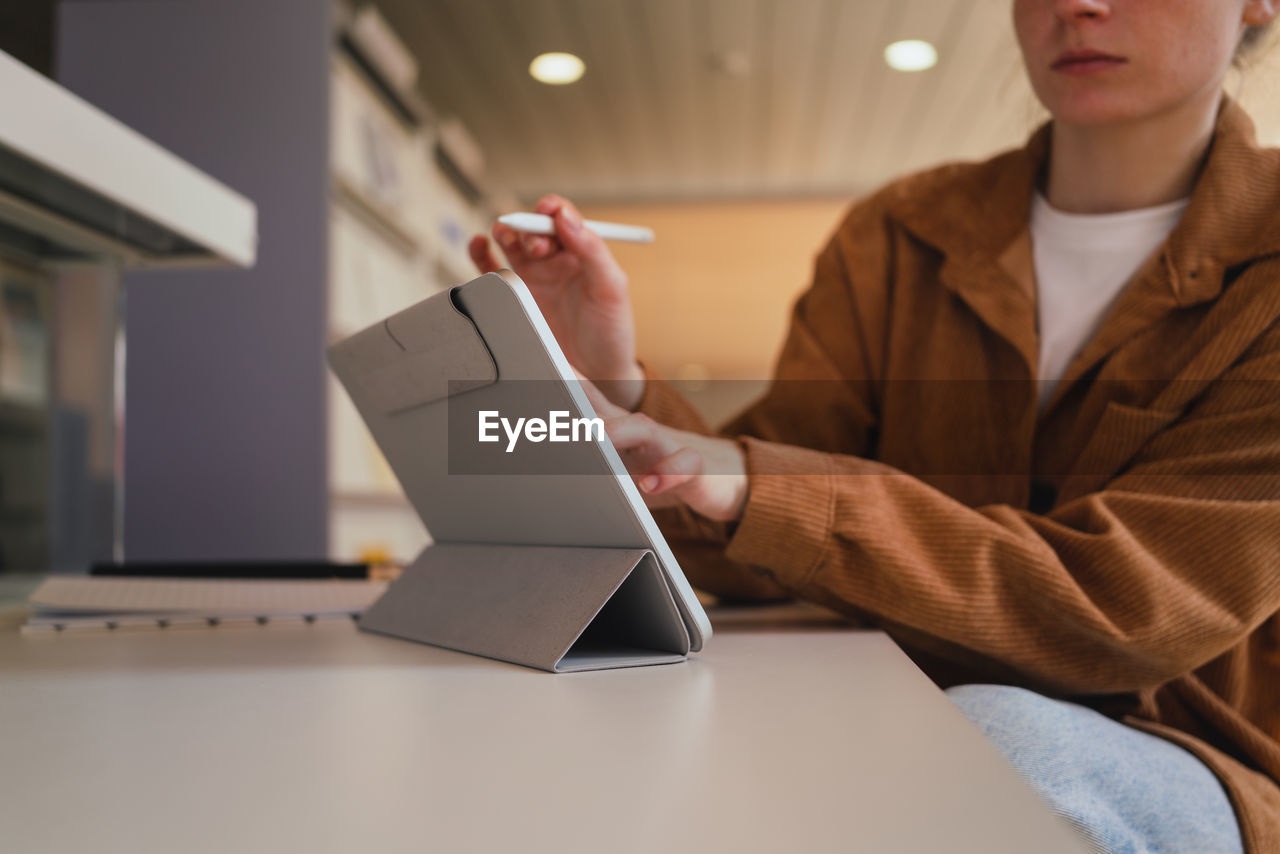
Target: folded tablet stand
554,608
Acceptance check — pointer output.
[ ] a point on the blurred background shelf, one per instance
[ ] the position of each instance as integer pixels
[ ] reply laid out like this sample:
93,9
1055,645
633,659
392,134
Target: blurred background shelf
401,213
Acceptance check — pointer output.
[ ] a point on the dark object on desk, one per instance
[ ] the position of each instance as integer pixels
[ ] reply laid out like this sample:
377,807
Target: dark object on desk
234,569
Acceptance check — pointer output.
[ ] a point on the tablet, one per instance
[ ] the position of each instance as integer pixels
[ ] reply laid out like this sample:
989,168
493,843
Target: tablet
452,389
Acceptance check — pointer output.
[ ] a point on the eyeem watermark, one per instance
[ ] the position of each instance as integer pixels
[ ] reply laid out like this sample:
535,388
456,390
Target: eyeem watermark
556,427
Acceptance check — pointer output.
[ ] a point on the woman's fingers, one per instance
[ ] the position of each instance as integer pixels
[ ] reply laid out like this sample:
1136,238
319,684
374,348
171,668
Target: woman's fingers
509,239
640,440
673,471
538,246
672,467
534,247
635,431
597,261
482,254
653,453
522,247
550,203
604,407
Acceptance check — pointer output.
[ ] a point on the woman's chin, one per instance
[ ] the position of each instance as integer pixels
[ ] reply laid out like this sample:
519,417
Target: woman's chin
1097,109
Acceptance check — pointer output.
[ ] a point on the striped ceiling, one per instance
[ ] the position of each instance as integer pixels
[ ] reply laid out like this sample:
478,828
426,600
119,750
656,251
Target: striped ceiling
697,99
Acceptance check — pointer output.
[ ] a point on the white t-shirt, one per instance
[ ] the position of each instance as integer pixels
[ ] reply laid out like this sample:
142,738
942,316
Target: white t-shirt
1082,262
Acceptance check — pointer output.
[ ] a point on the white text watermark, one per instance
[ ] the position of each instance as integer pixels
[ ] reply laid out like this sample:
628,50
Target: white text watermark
556,427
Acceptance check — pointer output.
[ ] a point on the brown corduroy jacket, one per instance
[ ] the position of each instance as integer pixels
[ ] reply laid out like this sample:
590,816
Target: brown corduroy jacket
1121,548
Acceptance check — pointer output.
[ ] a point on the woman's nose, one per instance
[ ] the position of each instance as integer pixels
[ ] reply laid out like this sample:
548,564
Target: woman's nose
1071,10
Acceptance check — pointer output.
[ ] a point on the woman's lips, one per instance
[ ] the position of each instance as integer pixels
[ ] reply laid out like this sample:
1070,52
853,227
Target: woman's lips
1086,62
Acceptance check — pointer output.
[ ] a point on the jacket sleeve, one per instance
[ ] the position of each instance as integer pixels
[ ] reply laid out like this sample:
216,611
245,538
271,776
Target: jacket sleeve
820,396
1146,577
1164,568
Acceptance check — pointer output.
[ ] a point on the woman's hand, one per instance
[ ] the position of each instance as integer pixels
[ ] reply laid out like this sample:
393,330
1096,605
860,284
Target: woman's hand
706,473
582,293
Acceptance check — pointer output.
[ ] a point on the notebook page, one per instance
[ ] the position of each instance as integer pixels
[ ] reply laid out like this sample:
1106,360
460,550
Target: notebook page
72,594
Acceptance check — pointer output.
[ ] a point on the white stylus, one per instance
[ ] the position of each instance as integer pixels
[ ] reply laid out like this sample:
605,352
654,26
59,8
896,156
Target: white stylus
533,223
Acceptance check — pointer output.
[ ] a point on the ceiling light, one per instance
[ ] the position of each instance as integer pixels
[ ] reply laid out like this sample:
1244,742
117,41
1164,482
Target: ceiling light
910,55
556,69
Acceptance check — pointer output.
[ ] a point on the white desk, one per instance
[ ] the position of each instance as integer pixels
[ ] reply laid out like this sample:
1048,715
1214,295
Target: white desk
324,739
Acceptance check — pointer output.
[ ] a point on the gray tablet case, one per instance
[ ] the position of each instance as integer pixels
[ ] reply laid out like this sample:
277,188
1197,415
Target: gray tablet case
543,556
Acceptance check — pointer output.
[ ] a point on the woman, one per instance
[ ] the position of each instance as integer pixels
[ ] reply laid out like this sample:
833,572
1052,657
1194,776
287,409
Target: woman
1026,419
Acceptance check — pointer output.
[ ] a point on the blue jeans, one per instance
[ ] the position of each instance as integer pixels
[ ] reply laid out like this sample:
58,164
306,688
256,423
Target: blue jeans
1124,790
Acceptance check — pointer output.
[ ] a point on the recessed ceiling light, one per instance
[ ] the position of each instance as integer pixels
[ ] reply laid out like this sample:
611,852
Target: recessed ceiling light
556,69
910,55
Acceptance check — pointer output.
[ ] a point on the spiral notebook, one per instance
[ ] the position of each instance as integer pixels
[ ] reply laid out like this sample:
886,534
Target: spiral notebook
65,602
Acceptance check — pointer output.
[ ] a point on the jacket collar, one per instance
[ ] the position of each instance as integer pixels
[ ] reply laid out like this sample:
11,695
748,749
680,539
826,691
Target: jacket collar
972,215
1234,214
977,217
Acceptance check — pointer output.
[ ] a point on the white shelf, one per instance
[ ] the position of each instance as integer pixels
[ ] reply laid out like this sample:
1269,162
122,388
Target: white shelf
76,183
